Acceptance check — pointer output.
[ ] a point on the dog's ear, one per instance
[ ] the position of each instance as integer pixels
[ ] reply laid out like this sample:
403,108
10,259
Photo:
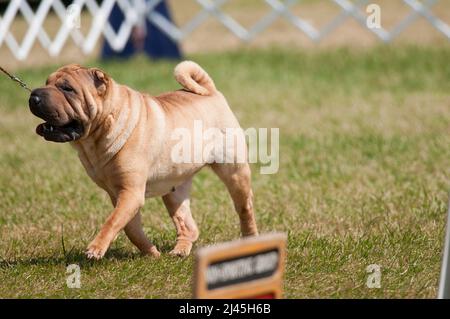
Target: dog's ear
101,80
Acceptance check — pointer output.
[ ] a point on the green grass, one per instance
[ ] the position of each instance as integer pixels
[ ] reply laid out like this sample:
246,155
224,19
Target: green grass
363,179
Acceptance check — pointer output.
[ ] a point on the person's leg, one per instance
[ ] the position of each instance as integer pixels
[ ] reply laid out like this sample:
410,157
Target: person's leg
116,19
159,45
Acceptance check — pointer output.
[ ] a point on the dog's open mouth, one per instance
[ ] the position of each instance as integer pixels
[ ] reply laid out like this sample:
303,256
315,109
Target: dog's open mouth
64,133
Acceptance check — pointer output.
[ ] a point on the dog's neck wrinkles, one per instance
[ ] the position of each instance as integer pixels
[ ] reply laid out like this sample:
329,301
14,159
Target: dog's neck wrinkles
117,123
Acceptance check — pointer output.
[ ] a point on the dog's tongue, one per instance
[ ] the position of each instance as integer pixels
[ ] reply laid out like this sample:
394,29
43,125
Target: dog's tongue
63,133
44,128
40,129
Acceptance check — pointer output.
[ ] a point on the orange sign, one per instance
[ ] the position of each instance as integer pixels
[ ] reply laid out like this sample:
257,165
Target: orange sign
249,268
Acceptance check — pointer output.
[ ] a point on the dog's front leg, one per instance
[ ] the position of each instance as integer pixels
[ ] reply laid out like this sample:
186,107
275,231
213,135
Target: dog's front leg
136,235
127,205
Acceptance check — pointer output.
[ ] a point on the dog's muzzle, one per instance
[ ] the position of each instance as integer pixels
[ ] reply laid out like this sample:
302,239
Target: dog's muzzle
58,127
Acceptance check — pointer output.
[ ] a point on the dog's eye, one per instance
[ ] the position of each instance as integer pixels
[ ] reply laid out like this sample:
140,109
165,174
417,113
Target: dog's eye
66,88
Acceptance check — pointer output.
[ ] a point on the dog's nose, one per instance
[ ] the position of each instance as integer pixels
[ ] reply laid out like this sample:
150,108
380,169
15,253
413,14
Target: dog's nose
35,100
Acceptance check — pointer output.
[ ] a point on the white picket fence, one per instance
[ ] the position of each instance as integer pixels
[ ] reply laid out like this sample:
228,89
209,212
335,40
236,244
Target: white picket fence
136,10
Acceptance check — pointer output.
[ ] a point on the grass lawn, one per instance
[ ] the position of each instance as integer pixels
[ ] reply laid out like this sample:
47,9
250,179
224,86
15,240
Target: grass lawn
364,177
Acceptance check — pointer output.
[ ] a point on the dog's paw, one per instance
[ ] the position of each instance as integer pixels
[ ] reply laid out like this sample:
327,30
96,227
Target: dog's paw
181,250
153,252
95,251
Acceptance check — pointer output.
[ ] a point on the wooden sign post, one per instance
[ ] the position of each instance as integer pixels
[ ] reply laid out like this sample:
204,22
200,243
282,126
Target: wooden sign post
249,268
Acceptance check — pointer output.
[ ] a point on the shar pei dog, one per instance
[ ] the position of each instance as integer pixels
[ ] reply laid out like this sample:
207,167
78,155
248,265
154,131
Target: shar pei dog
124,139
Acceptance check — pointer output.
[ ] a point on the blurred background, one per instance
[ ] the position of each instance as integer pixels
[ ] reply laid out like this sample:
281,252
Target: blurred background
215,25
364,120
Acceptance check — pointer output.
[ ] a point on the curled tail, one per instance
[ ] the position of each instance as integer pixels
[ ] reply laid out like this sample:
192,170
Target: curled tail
193,78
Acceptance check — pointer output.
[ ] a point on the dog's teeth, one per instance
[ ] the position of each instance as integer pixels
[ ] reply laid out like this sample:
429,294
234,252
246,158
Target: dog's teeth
73,135
51,128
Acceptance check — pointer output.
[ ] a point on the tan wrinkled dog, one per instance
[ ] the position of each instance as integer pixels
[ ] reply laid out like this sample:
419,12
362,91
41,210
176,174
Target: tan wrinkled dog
123,139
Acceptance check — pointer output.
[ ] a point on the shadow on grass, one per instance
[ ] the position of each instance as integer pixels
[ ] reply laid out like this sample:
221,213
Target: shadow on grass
79,257
73,257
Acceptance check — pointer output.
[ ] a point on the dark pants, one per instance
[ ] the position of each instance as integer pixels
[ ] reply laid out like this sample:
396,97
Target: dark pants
157,44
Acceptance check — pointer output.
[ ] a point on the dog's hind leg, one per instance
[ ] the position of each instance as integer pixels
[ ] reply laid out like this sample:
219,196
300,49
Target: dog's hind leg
178,206
136,235
237,178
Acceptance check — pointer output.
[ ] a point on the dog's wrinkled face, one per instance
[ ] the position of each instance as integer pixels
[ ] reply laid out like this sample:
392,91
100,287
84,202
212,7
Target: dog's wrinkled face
69,102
